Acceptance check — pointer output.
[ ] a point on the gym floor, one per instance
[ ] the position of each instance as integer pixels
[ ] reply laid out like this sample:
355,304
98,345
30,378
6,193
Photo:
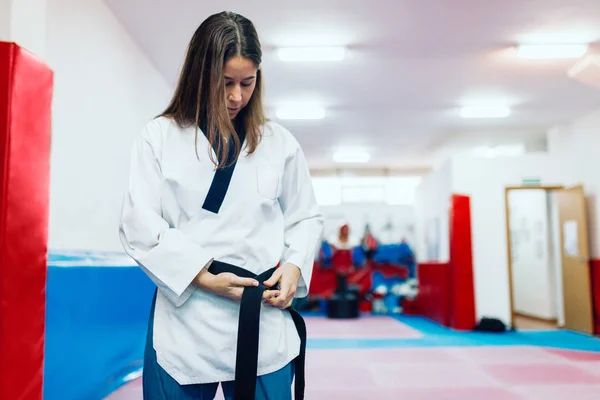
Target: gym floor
526,322
413,358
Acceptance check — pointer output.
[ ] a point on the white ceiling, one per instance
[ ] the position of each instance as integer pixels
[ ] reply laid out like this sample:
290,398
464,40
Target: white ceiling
411,63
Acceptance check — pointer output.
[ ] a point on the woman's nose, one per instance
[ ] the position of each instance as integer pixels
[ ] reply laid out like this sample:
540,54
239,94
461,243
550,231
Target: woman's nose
236,94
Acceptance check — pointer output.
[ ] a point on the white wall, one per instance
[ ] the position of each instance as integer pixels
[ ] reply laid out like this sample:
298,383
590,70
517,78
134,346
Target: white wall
573,158
29,24
386,203
484,180
105,91
533,272
579,145
388,223
432,205
5,20
24,22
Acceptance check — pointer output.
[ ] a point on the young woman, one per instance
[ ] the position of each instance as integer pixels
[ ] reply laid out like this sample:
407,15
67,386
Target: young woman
221,215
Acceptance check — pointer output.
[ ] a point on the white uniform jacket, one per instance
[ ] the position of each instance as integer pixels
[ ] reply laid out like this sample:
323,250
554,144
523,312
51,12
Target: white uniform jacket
269,216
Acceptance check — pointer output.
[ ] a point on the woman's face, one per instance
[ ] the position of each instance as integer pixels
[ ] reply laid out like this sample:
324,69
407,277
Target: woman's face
240,81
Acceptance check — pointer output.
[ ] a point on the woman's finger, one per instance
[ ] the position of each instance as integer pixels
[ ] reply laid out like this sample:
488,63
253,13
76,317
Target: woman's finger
235,293
289,303
282,299
284,304
237,281
269,294
273,279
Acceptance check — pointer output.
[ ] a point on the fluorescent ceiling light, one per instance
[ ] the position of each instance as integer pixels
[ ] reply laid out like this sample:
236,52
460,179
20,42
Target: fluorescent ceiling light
558,51
351,156
311,53
301,112
484,112
500,151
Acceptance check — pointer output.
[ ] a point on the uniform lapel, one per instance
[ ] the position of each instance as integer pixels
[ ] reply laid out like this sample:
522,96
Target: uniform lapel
222,177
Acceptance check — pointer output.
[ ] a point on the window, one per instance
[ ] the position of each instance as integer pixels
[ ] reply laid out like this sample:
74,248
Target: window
396,190
328,191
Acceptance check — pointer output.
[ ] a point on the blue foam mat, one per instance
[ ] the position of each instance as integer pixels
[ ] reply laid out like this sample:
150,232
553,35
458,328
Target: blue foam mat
96,319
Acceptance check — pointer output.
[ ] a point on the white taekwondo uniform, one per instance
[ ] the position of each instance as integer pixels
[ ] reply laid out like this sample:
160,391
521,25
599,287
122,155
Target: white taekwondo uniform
269,216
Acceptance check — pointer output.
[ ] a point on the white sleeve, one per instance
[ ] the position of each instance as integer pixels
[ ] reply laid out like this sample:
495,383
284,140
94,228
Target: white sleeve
170,258
303,221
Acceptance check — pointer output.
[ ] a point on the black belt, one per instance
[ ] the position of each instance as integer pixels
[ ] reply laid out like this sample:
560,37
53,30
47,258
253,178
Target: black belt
246,362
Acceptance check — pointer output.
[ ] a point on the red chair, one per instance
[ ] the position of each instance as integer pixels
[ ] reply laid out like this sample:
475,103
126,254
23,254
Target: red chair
342,262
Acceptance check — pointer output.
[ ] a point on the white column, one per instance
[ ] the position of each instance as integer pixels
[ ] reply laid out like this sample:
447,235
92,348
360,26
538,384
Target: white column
24,22
5,19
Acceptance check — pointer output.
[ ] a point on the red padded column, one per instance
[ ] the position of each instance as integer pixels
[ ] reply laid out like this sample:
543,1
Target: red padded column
461,264
25,98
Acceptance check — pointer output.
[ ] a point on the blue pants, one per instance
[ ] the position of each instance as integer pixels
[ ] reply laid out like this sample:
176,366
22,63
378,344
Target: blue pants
158,385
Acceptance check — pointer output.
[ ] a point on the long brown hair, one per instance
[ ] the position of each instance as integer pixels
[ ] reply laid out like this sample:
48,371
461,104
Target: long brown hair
199,98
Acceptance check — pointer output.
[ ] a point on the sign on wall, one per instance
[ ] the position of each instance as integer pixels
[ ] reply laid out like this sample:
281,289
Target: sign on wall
571,239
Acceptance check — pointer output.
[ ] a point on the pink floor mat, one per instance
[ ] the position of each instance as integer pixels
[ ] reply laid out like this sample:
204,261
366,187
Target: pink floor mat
465,373
376,328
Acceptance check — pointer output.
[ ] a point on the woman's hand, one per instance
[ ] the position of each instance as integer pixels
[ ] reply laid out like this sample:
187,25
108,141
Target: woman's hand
228,285
288,276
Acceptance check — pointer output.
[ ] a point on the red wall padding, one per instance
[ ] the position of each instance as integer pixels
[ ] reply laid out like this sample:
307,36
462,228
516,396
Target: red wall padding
446,290
25,99
433,301
461,264
595,274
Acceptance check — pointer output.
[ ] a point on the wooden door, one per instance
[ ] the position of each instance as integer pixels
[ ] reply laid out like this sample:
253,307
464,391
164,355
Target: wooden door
577,296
